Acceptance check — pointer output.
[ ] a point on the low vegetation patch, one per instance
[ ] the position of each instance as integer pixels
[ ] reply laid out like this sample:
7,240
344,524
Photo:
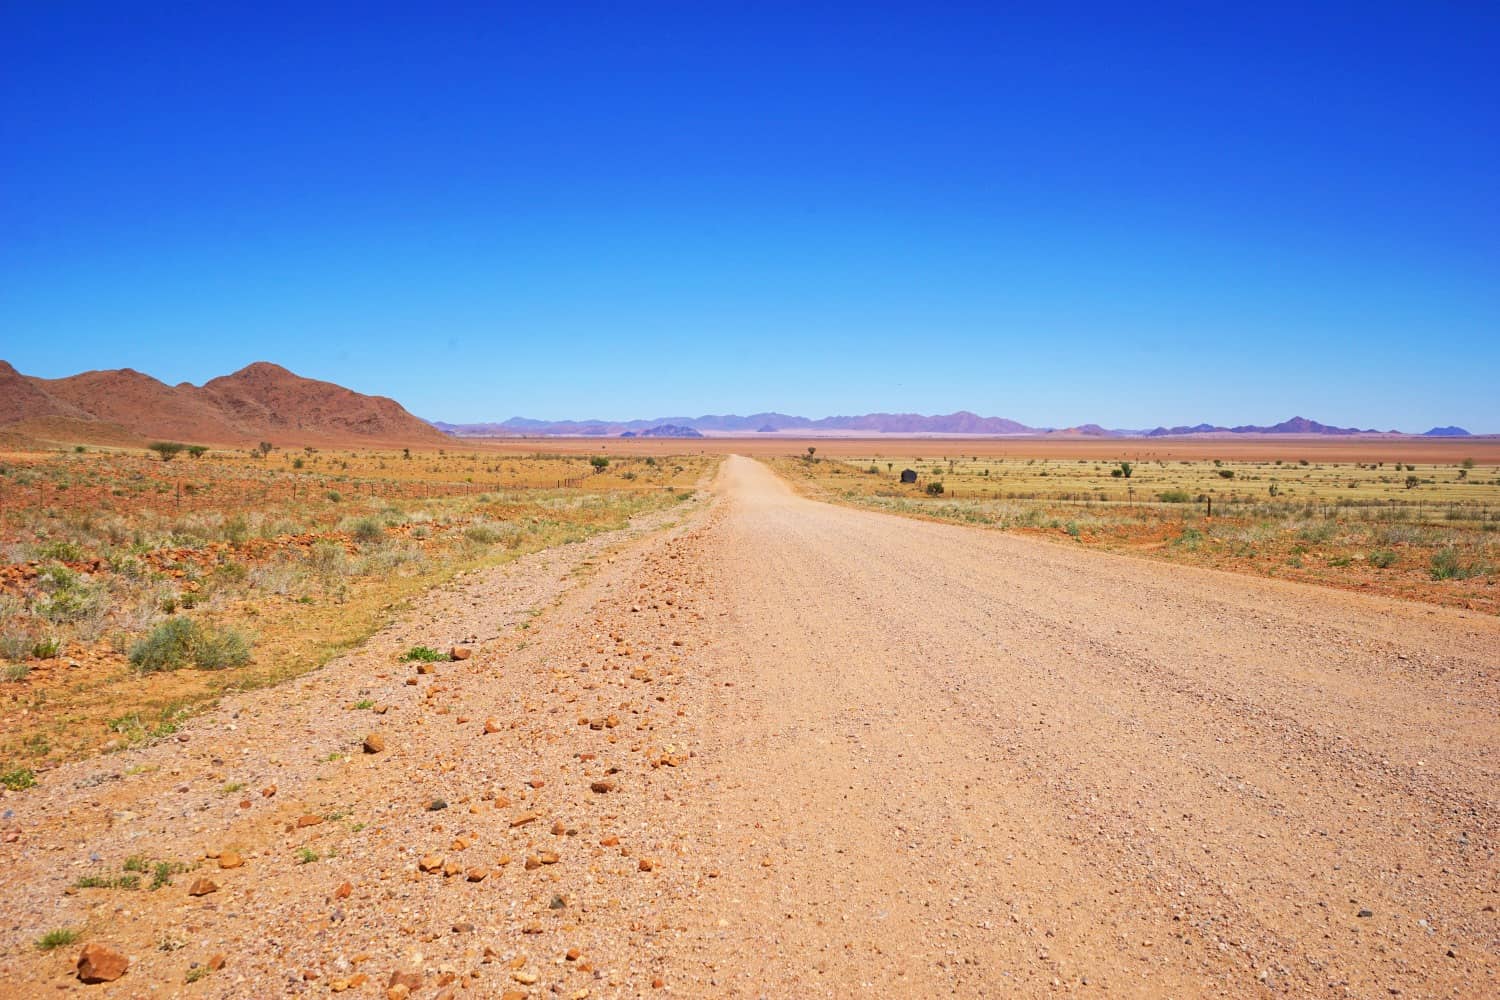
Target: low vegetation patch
181,642
1362,525
59,938
102,551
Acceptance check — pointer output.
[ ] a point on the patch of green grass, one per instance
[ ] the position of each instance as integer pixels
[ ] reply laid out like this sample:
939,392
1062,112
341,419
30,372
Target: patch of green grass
1189,539
232,787
1447,566
423,654
1383,558
135,863
364,703
108,882
59,938
306,856
18,778
196,973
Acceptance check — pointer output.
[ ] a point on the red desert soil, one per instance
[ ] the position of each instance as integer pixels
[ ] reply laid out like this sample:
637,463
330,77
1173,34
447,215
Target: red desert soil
793,749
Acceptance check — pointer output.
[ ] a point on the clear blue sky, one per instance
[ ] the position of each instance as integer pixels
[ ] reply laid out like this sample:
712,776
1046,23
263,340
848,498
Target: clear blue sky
1123,213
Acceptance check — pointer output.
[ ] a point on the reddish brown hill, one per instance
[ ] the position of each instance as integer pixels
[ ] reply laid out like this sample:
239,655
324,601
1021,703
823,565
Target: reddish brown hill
268,396
260,402
22,399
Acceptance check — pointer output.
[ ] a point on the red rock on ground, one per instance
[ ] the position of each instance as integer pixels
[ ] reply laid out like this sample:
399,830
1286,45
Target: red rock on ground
99,963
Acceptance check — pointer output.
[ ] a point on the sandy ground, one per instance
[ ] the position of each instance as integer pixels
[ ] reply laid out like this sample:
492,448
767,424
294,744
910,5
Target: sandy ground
791,749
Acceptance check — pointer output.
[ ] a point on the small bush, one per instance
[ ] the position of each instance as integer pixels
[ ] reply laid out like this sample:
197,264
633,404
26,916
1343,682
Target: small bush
367,529
60,550
424,654
328,559
107,882
221,649
1226,473
168,450
59,938
16,646
18,778
935,489
1447,566
162,872
1383,558
1175,496
180,642
482,534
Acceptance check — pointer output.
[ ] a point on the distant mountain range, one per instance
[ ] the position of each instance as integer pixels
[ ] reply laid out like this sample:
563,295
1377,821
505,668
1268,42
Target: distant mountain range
665,431
261,402
265,402
962,422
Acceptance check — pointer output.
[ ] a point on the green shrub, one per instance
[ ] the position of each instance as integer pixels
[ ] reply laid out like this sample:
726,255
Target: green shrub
1175,496
107,882
18,778
424,654
220,649
935,489
180,642
168,450
162,872
59,938
60,550
1383,558
65,596
482,533
1447,566
367,529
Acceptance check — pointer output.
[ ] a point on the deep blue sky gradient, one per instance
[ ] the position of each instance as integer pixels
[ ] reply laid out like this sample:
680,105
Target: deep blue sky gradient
1056,213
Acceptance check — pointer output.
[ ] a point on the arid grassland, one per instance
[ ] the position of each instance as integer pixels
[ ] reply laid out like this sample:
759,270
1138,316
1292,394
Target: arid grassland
1425,531
133,589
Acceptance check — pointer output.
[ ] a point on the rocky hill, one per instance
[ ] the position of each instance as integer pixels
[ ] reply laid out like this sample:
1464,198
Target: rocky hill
262,402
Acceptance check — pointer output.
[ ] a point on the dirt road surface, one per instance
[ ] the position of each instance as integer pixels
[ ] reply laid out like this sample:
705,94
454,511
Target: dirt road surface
784,748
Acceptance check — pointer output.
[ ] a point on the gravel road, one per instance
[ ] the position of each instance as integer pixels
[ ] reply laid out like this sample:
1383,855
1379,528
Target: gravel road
785,748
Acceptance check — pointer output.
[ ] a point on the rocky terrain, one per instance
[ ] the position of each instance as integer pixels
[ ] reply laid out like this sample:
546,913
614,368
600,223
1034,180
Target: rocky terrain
786,748
261,402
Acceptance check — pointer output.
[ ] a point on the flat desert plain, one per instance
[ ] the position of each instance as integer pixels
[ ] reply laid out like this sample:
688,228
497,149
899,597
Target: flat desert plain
759,744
